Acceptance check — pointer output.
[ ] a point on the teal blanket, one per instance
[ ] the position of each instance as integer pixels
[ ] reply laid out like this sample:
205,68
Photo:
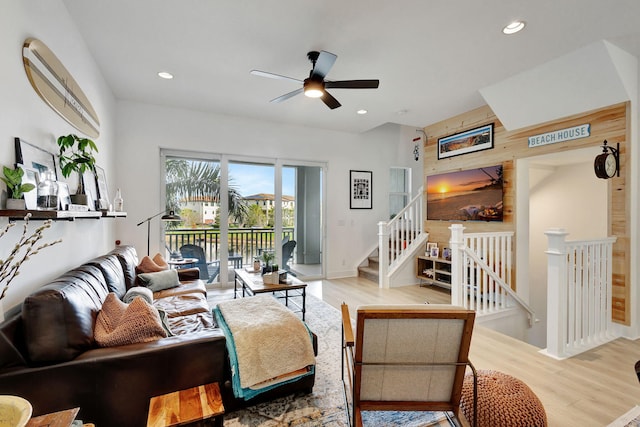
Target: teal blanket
247,393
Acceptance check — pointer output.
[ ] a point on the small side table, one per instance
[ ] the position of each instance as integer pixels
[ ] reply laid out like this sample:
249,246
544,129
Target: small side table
194,406
182,263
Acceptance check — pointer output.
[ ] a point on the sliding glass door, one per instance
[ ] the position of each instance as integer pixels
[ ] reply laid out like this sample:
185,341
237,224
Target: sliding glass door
235,210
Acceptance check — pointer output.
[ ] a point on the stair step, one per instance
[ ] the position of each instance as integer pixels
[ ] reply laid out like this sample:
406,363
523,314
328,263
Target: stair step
368,273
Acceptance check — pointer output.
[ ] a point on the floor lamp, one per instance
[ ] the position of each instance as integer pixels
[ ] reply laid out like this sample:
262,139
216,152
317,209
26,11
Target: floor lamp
171,216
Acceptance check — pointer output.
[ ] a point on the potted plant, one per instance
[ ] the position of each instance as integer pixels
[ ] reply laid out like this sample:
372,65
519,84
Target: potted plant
267,257
15,187
76,155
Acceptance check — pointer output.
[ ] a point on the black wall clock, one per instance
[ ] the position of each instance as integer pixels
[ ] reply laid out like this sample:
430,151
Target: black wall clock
607,164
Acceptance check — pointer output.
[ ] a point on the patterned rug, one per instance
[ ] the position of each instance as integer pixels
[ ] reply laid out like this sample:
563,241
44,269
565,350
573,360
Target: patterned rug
326,405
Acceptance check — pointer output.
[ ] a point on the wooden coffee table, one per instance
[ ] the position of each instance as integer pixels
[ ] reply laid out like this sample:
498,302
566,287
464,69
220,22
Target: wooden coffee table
252,284
194,406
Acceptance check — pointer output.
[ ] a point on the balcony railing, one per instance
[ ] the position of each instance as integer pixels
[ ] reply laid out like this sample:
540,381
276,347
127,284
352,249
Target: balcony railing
247,243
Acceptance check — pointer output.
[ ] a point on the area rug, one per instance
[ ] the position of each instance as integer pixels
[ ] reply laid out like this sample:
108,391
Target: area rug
326,405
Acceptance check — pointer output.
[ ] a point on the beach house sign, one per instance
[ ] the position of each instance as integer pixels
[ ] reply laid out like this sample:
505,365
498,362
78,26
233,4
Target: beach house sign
561,135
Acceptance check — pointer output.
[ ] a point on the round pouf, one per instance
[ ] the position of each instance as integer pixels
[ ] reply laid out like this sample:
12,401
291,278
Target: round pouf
503,401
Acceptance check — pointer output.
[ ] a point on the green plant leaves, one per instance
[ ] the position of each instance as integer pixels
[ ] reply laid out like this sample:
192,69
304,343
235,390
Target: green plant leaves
80,159
13,179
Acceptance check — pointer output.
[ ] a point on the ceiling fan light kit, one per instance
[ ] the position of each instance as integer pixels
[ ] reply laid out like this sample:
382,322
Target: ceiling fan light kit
315,85
313,89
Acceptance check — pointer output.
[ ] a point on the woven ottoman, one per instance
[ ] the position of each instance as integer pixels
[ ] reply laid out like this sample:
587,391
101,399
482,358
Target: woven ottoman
503,401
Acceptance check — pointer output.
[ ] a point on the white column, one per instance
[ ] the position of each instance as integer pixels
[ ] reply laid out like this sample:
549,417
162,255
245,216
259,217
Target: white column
556,292
383,255
457,245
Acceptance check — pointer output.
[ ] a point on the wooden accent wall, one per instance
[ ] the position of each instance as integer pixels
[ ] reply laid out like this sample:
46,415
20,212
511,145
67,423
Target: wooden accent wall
608,123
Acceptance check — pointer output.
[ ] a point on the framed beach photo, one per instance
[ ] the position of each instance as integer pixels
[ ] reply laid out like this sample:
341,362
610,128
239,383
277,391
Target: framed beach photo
466,142
360,190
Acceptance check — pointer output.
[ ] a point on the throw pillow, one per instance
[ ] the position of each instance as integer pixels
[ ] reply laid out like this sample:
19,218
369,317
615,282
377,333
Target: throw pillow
147,265
138,291
121,324
160,280
160,262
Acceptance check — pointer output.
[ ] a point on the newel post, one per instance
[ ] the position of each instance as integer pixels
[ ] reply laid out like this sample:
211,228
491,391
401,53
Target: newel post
556,291
457,245
383,255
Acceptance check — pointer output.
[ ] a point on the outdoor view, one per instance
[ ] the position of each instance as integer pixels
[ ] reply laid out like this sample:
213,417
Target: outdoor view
193,192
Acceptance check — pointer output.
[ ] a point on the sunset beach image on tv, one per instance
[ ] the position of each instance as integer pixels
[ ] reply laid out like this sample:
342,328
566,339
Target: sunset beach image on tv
470,195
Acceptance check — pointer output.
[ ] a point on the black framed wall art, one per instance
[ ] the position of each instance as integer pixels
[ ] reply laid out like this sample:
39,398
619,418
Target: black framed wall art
360,189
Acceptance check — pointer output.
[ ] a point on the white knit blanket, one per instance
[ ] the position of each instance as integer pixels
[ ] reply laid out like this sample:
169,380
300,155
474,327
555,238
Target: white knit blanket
270,340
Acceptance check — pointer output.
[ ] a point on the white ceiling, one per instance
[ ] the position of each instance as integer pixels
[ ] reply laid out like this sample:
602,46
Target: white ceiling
431,56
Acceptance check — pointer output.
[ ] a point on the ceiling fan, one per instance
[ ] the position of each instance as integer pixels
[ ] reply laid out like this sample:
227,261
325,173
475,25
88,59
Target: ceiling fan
315,85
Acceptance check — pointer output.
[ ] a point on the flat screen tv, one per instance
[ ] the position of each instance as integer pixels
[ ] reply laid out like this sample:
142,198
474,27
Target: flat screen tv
469,195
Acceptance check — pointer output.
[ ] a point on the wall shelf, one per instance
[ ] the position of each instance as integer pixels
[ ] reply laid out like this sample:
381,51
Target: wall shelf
434,271
17,215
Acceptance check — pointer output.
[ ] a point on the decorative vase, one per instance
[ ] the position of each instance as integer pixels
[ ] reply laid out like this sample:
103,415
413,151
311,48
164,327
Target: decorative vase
47,192
15,204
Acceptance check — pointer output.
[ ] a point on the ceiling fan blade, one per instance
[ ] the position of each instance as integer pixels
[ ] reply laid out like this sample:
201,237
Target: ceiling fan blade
323,64
287,95
330,101
273,76
353,84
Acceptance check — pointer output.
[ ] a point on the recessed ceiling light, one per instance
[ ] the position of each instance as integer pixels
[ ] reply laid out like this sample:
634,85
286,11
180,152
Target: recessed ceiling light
362,111
514,27
165,75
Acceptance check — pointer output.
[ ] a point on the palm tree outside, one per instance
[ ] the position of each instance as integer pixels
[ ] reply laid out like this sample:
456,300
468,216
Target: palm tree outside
198,181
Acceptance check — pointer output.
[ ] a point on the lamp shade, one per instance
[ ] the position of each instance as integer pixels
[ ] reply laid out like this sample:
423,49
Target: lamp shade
171,216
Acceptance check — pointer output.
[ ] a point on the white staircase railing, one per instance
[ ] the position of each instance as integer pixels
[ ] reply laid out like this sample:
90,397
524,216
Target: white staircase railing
397,237
579,284
481,271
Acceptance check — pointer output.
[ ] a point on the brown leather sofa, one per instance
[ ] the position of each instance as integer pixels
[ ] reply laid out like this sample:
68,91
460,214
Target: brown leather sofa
49,357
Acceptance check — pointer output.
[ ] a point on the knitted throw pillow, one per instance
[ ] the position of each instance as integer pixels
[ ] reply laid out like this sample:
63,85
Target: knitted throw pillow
121,324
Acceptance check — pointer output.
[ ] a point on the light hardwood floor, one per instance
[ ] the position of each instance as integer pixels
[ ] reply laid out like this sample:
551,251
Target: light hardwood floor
591,389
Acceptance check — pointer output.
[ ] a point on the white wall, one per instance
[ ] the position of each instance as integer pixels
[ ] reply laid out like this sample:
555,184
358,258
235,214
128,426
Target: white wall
351,234
23,114
557,195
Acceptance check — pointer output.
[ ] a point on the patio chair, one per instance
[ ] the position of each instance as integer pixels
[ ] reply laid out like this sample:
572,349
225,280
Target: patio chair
406,358
208,270
287,253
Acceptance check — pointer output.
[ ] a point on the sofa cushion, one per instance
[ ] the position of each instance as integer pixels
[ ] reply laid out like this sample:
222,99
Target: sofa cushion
128,258
60,317
196,286
183,305
121,324
160,280
113,273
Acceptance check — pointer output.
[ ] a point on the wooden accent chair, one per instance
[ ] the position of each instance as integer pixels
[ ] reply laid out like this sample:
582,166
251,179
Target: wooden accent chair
406,358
